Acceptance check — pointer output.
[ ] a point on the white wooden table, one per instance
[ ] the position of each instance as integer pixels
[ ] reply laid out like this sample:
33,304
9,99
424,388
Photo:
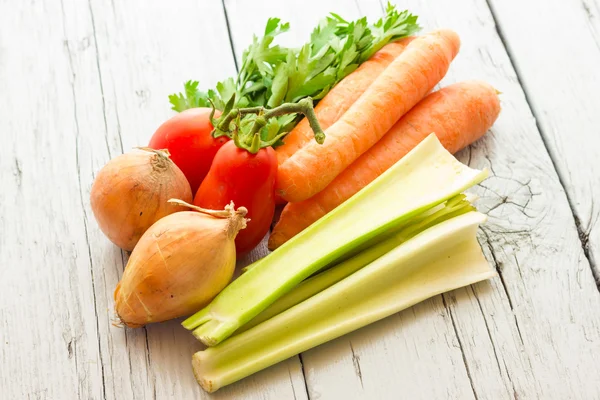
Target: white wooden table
83,81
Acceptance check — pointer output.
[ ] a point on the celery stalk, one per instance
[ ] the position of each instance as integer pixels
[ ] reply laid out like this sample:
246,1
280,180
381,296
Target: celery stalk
424,178
457,205
442,258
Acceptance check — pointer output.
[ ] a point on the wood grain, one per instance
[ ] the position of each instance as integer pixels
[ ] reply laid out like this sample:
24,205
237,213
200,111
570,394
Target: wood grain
85,83
537,316
145,59
81,82
49,335
562,85
380,360
531,238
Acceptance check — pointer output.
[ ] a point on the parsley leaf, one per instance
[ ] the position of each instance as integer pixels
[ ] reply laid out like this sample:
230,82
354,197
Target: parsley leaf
271,75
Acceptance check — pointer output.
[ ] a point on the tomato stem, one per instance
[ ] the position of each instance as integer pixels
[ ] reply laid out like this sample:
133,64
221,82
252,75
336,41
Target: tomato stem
223,126
304,107
256,144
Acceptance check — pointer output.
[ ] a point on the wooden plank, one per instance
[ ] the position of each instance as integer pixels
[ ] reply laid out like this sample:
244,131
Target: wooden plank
559,71
49,343
249,18
380,360
70,91
145,52
82,83
540,315
530,333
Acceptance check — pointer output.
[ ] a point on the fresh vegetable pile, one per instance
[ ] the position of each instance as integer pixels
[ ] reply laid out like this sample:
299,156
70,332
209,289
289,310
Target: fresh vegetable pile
346,131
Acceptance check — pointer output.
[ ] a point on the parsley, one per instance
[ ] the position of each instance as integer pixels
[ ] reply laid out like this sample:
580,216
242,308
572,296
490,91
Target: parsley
271,75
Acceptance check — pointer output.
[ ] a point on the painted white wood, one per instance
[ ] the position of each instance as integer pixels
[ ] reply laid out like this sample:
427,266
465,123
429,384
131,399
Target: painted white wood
247,18
81,82
559,71
145,56
378,361
543,333
49,345
527,335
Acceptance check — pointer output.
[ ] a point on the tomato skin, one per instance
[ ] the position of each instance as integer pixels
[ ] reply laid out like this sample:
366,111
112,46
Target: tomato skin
248,180
188,139
279,200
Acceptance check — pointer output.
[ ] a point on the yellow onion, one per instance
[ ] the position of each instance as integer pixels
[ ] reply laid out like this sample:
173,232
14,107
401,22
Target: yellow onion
179,265
131,193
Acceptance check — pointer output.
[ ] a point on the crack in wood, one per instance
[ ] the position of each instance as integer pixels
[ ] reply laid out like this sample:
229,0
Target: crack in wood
499,268
356,363
553,157
148,363
229,34
116,116
80,380
70,348
460,345
357,4
515,394
18,172
100,79
591,17
82,203
304,376
291,382
487,328
470,155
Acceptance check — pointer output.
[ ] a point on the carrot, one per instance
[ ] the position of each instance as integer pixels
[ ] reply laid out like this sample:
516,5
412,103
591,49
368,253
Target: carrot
400,86
341,97
459,115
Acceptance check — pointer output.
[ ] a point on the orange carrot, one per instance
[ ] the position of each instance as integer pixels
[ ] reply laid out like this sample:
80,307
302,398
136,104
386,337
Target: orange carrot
341,97
396,90
459,115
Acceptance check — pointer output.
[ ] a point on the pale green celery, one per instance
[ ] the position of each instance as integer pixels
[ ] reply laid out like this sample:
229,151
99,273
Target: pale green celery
447,210
457,205
442,258
424,178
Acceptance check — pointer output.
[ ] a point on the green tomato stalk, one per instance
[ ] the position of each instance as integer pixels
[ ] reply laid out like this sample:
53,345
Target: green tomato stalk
272,75
249,135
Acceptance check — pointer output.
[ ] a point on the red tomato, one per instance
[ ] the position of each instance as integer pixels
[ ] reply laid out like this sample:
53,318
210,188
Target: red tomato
188,139
248,180
279,200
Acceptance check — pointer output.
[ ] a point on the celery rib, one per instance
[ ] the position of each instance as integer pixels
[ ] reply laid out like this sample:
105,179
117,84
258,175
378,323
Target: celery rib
426,177
457,205
441,258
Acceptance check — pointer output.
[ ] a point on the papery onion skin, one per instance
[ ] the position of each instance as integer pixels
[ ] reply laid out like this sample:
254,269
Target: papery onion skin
131,193
179,265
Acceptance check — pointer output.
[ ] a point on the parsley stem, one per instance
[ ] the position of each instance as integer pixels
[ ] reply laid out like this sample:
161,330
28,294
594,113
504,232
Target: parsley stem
250,139
251,110
304,107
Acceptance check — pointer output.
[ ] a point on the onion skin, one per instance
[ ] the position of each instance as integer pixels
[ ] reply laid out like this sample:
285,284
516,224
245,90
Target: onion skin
179,265
131,193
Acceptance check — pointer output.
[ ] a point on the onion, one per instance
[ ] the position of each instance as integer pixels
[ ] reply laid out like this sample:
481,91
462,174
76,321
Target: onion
131,193
179,265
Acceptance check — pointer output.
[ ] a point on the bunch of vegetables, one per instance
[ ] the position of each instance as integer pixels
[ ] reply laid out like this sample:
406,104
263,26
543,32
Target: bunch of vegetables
407,236
340,129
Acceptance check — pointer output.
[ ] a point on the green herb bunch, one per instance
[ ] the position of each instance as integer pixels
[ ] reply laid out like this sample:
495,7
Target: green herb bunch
271,75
